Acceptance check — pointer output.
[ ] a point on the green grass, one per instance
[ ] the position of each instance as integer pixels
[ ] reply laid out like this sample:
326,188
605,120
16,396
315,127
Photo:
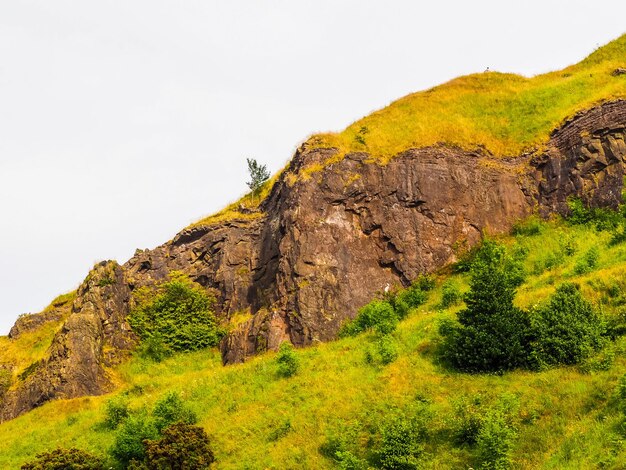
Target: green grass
506,114
568,417
502,113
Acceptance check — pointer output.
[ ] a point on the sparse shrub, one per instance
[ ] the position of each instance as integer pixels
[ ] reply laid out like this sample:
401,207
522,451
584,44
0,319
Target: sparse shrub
337,447
588,262
387,350
154,348
491,334
600,218
615,325
465,260
287,359
378,315
5,380
450,294
467,419
618,236
529,227
116,411
579,214
183,446
425,282
180,316
346,460
106,281
549,260
602,361
359,137
30,370
621,392
568,244
171,409
566,330
259,174
497,435
402,440
65,459
411,297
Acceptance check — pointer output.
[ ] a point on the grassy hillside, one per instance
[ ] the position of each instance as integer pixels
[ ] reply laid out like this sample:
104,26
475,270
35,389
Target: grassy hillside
567,417
504,113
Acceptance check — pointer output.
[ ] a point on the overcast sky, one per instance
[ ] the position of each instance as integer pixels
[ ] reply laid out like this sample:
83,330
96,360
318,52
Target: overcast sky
123,121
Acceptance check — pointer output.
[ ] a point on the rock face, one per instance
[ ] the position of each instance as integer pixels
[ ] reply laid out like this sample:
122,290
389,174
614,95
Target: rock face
95,335
327,241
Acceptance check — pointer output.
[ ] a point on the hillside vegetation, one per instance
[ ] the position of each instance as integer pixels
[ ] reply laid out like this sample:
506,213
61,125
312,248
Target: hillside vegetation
504,114
347,396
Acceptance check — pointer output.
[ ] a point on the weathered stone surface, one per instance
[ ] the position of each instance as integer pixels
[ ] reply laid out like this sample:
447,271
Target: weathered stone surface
328,241
95,335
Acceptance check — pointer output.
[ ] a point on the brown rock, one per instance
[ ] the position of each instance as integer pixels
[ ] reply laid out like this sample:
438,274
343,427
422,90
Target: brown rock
94,336
330,240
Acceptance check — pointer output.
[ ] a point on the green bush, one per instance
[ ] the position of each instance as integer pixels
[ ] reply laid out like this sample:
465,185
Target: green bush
425,283
492,334
497,435
182,446
180,316
588,262
171,409
387,350
566,330
154,348
116,411
378,315
467,419
600,218
287,360
65,459
402,441
128,444
405,300
346,460
450,294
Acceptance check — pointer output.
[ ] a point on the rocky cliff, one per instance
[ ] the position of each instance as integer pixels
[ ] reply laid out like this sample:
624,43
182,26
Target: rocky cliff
333,232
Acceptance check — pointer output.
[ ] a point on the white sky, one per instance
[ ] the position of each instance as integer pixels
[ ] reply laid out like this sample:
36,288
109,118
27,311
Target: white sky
123,121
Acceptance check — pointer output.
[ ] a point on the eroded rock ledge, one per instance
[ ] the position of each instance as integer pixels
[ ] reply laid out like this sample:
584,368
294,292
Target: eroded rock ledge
330,240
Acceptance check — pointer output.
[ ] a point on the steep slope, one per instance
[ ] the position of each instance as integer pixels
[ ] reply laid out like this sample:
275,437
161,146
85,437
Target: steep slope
568,417
345,221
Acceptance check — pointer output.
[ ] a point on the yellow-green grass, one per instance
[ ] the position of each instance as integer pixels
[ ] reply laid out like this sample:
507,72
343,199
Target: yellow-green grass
502,113
32,346
568,417
246,208
506,114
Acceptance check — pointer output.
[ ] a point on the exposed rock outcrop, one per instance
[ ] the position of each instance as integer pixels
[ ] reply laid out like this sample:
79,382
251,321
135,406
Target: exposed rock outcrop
329,240
33,321
95,335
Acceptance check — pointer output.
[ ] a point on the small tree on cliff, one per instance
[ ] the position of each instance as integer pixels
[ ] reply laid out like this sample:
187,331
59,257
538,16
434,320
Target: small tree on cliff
258,174
492,334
